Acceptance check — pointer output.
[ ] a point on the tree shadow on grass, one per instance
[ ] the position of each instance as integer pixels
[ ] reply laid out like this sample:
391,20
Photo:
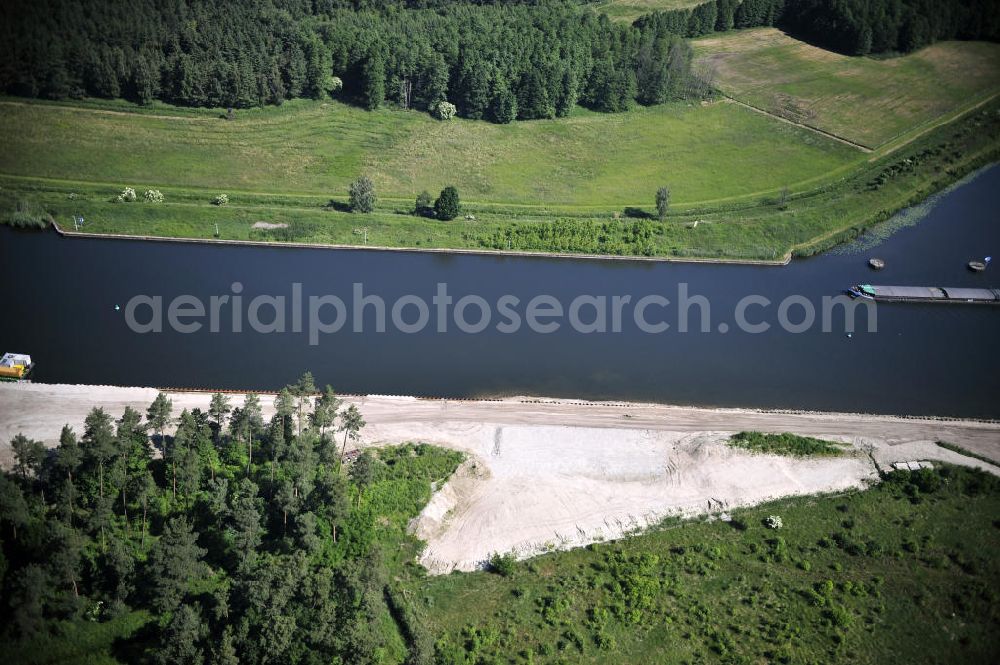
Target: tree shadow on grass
339,206
638,213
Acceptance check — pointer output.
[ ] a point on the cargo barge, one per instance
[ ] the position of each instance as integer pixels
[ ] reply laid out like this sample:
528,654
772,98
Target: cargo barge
937,294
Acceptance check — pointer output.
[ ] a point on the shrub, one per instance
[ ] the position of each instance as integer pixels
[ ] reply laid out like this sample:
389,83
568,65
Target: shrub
424,204
127,196
153,196
773,522
444,110
447,205
503,564
839,616
27,215
785,444
221,200
362,195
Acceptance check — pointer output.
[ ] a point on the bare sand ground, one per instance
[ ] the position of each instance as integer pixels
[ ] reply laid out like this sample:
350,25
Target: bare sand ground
545,474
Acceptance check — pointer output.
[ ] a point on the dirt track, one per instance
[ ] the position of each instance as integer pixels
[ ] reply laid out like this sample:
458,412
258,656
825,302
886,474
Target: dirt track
554,473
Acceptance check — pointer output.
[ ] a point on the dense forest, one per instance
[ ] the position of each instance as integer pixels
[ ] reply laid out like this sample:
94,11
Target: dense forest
498,61
494,60
854,27
231,536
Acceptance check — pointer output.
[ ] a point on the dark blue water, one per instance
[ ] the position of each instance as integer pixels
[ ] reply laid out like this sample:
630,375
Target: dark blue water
59,294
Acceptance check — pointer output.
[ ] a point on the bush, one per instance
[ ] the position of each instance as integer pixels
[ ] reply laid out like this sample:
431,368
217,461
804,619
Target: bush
153,196
570,235
773,522
447,205
785,444
503,564
425,204
27,216
362,195
221,200
127,196
444,110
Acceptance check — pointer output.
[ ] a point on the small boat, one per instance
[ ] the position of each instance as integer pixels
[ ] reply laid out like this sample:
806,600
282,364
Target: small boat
876,264
15,367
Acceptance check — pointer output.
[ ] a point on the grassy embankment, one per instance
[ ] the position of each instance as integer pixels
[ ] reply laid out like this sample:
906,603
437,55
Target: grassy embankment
867,101
537,186
904,572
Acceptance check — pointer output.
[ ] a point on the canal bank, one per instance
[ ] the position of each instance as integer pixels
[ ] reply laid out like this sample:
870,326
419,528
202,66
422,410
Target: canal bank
63,294
547,473
426,250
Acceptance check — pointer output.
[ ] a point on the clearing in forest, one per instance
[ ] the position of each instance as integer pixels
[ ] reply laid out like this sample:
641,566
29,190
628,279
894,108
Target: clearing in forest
865,100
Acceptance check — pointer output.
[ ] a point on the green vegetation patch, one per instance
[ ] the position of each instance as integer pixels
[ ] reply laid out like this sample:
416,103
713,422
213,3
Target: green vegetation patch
965,451
786,444
866,100
24,214
244,541
589,159
903,572
630,10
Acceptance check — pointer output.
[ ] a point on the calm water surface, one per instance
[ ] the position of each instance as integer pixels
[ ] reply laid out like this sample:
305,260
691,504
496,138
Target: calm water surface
59,297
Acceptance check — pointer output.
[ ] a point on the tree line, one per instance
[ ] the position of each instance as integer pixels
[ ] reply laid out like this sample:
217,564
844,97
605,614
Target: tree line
854,27
497,61
247,540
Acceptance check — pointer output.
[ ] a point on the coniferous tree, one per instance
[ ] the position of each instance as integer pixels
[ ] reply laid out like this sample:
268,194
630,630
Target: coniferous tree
447,205
504,105
362,195
373,82
174,562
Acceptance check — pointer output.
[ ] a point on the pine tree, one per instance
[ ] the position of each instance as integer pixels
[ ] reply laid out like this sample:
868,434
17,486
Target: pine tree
174,562
362,195
447,205
504,105
533,100
373,81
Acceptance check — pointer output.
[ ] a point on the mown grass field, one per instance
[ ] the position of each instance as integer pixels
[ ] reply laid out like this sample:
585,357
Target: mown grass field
865,100
591,159
903,573
630,10
759,227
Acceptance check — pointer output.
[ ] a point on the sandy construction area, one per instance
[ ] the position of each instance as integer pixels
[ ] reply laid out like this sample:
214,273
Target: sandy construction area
546,474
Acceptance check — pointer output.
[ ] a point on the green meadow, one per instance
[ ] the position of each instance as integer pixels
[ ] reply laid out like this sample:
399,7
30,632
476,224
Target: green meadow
866,100
591,159
902,573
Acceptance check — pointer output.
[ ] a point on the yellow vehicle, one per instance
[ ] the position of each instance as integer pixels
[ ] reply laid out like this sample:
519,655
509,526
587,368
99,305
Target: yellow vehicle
15,367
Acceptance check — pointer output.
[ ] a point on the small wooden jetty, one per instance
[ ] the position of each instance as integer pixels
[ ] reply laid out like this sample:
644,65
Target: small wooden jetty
941,294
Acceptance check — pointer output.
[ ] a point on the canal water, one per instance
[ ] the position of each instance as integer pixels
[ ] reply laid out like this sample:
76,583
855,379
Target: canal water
59,297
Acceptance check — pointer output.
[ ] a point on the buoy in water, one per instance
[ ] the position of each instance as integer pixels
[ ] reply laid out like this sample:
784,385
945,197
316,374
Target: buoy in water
117,307
877,264
977,266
